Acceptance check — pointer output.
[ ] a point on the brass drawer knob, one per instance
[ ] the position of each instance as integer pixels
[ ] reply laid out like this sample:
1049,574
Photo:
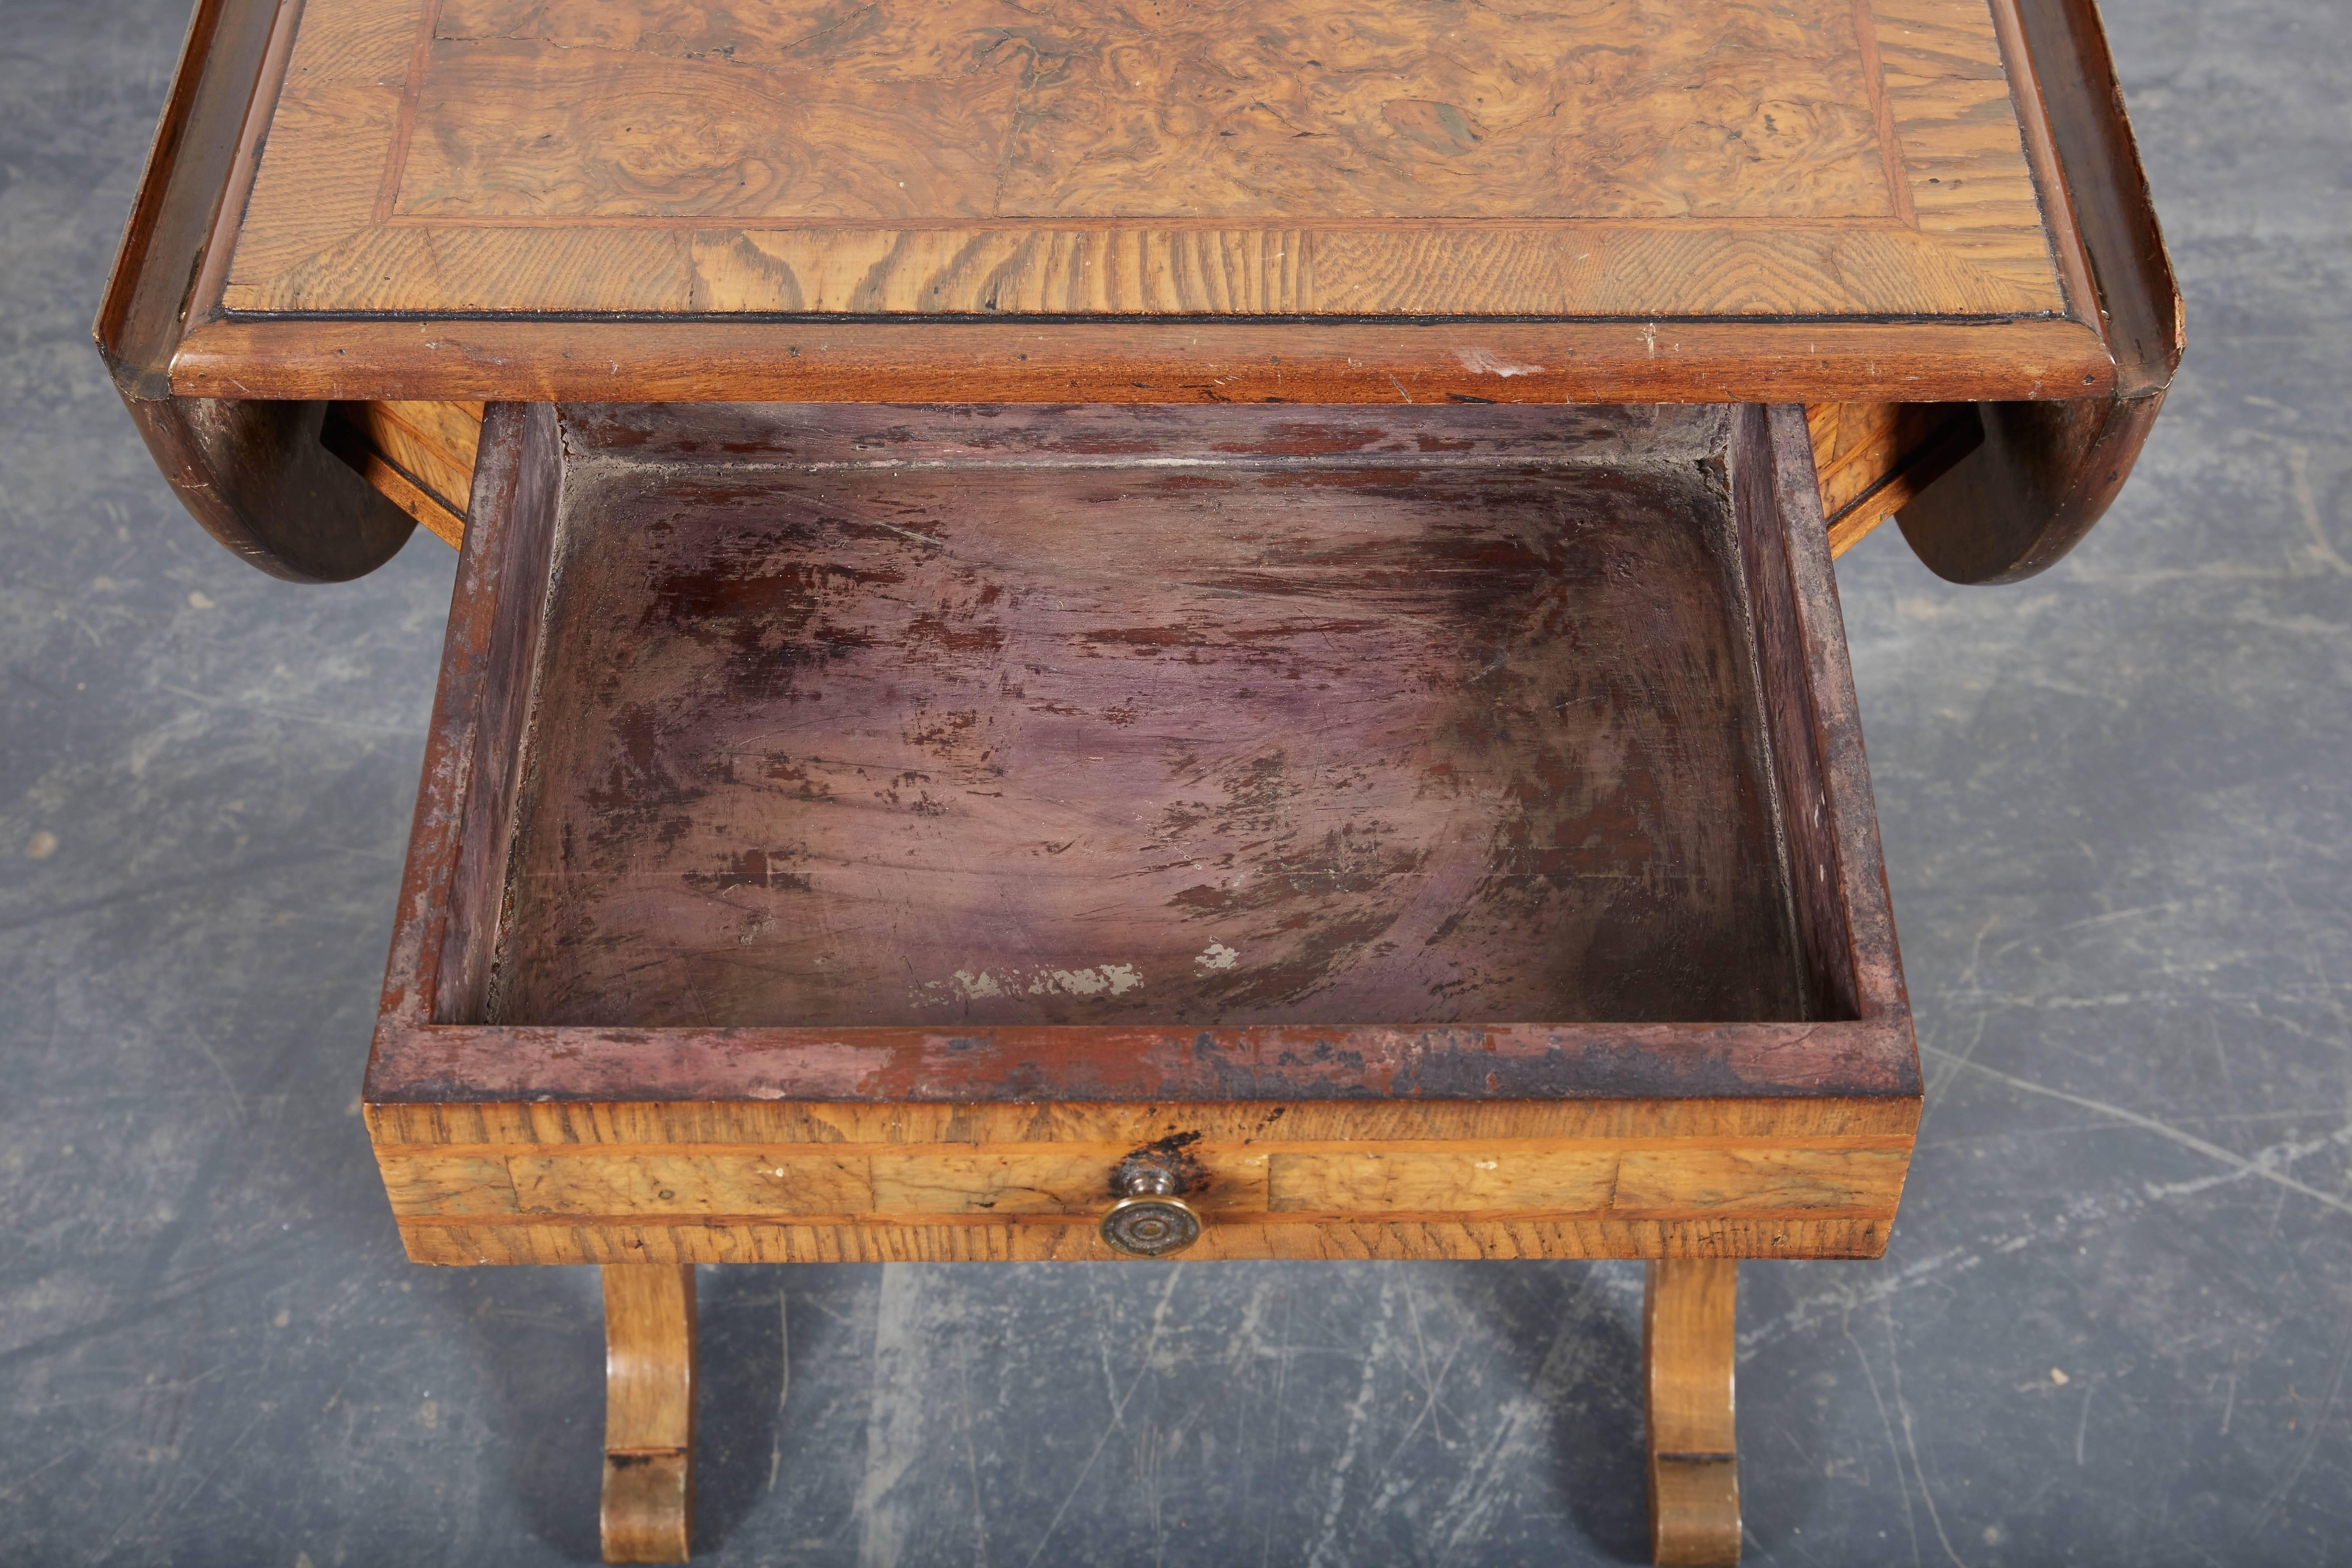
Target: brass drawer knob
1149,1220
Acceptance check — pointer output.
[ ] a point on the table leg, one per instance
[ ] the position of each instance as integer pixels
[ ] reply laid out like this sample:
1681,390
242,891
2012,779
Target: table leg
1688,1311
649,1509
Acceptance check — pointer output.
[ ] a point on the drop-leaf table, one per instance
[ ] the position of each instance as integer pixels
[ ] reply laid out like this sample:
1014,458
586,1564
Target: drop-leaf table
1091,633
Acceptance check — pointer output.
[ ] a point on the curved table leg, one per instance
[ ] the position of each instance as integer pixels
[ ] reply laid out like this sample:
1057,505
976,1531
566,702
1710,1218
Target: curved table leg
649,1508
1688,1316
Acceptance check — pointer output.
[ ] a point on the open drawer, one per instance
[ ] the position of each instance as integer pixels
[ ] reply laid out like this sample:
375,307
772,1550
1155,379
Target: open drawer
877,832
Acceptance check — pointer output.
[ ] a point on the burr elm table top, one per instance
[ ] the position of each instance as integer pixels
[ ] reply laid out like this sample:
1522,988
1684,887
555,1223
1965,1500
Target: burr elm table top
630,198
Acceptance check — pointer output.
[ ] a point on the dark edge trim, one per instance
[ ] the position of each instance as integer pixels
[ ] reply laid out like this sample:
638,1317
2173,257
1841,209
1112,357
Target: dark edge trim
1877,961
457,1064
429,890
179,187
517,567
2139,299
916,321
254,474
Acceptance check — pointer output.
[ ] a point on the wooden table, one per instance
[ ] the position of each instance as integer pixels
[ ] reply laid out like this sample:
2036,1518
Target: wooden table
1089,632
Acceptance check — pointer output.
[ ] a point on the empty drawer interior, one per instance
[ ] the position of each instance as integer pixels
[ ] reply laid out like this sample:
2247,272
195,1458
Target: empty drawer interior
861,715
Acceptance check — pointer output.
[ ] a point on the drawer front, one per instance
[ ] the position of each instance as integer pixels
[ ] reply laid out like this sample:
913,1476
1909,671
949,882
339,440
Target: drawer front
1831,1193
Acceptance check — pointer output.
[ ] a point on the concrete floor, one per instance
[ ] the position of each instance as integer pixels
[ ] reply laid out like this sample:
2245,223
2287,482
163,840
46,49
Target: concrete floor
2114,1326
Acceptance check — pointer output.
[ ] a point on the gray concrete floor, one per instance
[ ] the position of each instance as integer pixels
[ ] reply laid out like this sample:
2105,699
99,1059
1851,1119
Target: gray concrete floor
2113,1325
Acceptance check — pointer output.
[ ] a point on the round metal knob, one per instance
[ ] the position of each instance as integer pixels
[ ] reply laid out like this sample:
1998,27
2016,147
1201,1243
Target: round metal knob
1149,1220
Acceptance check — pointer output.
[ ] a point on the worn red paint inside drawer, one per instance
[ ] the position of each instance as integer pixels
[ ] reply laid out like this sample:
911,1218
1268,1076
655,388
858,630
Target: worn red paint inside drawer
1162,736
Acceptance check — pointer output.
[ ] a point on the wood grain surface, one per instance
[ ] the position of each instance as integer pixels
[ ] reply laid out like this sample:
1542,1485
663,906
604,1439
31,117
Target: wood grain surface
419,455
1062,362
647,1514
1855,446
389,480
1586,1178
1689,1315
1874,459
1222,110
1643,158
721,1240
434,444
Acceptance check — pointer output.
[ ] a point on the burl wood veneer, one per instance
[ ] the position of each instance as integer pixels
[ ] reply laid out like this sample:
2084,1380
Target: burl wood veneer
1247,157
851,832
1738,187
